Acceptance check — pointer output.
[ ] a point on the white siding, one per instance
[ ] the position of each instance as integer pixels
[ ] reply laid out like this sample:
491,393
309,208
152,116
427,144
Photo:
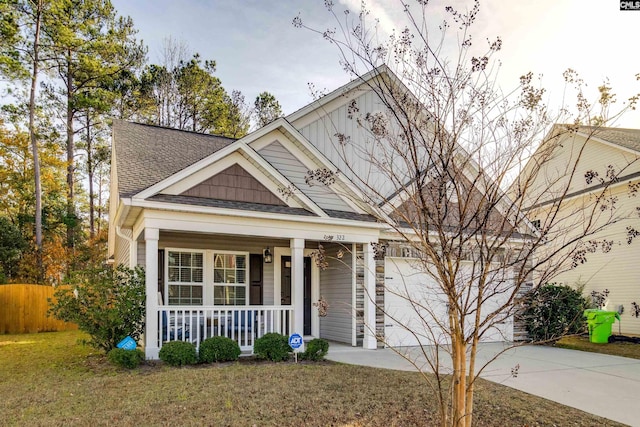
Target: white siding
336,288
295,171
616,271
142,251
121,254
571,151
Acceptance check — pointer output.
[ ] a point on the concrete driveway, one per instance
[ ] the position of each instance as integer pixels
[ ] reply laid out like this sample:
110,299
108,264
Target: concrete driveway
608,386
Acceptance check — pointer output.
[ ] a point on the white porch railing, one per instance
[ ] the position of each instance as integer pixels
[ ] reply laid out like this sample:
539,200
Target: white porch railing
240,323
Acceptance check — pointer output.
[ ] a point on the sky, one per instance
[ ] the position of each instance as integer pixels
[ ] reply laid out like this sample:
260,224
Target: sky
257,48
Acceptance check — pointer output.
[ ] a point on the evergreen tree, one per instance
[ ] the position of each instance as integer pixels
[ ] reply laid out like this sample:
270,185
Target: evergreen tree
267,109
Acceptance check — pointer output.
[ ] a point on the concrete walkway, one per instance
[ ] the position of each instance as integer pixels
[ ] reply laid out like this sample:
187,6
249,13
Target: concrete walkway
608,386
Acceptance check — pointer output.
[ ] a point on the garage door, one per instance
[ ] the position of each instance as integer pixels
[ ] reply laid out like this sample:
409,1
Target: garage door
416,309
411,301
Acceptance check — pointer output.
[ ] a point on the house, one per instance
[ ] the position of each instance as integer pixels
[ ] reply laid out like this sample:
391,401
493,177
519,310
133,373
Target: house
605,159
238,238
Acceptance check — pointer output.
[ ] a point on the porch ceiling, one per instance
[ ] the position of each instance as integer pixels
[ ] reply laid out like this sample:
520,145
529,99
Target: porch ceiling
205,240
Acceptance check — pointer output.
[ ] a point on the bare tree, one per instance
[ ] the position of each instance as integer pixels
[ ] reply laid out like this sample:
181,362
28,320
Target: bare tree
172,54
435,161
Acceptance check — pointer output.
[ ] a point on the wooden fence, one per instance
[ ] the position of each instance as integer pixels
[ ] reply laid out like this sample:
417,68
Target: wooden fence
23,309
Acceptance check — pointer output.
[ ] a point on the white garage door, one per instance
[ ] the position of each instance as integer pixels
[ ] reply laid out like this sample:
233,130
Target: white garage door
411,300
416,309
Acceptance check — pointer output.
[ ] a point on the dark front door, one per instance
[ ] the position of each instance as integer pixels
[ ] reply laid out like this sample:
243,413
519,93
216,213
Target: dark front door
285,289
255,279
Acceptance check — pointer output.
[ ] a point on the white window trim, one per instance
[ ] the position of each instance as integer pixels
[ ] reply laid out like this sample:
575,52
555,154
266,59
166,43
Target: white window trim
167,282
245,285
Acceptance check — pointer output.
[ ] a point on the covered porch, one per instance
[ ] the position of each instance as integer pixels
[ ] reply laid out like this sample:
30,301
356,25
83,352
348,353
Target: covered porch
243,281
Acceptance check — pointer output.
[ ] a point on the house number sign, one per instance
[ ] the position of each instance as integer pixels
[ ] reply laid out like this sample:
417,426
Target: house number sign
336,237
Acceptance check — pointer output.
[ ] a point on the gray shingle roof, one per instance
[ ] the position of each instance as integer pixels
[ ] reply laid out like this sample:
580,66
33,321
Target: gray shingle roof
350,215
628,138
146,154
229,204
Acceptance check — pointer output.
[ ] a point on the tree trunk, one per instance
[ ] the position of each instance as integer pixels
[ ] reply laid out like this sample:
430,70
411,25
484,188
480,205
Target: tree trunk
34,142
459,380
92,230
99,210
70,159
472,360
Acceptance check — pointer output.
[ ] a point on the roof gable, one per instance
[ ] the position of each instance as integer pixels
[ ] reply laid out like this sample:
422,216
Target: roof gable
234,184
243,151
624,138
559,167
297,172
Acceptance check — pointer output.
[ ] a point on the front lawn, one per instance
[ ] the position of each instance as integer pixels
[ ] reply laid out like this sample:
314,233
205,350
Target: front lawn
624,349
49,379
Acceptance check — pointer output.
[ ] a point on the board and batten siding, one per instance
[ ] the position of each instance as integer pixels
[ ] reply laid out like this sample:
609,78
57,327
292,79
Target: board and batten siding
228,243
354,159
295,171
336,288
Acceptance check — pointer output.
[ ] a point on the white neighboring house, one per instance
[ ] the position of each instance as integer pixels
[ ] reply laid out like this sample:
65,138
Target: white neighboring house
226,230
617,268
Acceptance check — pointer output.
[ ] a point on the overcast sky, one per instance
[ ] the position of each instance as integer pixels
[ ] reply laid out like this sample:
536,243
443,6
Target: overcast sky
257,48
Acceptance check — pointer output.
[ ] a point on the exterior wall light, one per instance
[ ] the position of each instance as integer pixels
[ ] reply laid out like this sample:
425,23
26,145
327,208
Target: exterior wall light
268,258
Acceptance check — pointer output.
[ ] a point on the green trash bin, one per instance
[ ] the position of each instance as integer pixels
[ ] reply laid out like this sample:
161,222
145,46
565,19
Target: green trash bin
599,322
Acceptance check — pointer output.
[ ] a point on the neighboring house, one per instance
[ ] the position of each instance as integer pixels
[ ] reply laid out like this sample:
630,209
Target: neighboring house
229,230
595,150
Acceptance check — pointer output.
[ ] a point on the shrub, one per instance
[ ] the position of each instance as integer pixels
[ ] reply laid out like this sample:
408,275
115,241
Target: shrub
108,304
552,311
272,346
129,359
218,349
316,349
178,353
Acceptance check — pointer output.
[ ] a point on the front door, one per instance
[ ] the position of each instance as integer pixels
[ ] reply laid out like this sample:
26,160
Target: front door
285,289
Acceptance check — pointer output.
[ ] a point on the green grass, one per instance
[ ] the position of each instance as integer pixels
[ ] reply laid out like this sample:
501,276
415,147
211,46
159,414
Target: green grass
624,349
50,379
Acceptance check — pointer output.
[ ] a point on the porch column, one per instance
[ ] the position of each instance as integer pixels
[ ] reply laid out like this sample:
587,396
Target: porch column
369,341
151,236
297,284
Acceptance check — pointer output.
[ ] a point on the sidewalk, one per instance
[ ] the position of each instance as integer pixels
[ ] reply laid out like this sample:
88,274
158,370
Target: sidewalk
608,386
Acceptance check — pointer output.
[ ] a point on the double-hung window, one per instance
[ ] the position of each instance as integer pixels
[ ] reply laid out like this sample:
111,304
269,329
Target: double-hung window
185,277
230,278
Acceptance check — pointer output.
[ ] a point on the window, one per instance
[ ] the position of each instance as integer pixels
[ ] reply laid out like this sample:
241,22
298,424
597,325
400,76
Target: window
536,223
185,277
230,278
